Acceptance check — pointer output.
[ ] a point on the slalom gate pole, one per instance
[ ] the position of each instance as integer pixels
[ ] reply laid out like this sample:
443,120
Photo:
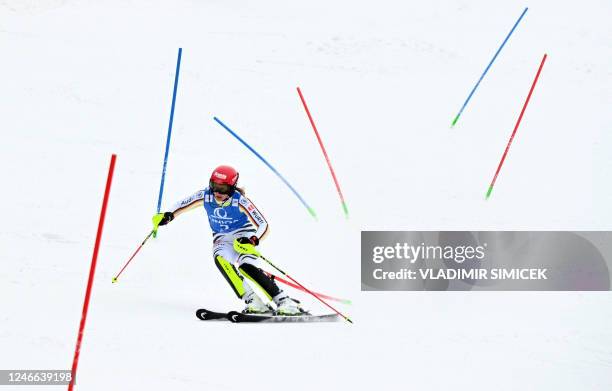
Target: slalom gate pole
289,283
133,255
163,175
92,272
487,68
518,122
306,289
252,250
230,131
331,169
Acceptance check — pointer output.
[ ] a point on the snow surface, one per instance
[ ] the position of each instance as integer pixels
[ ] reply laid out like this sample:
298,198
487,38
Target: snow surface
83,79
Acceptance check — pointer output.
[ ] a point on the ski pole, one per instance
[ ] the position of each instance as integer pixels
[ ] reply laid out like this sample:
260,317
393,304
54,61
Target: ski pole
133,255
250,249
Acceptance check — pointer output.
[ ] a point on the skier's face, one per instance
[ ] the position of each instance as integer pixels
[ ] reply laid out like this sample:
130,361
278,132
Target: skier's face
221,196
221,191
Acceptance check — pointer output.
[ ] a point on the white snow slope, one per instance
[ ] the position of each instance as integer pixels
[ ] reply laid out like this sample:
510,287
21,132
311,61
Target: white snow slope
83,79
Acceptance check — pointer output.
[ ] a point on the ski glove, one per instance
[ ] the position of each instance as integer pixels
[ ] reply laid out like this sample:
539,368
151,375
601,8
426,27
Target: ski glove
254,240
162,219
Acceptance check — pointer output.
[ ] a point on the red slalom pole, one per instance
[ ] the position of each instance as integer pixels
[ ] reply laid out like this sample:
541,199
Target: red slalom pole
319,298
302,286
289,283
518,122
92,271
250,249
331,169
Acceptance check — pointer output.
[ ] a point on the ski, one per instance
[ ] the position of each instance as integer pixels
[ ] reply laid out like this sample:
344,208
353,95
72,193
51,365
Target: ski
204,314
239,317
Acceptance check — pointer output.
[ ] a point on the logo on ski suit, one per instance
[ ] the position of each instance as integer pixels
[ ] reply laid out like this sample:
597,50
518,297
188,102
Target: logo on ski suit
224,219
221,213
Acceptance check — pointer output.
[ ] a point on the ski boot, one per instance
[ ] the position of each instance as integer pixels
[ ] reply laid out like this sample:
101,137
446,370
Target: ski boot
286,306
254,305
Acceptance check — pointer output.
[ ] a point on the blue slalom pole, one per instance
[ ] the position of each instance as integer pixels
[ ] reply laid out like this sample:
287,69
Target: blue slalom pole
488,66
163,176
310,210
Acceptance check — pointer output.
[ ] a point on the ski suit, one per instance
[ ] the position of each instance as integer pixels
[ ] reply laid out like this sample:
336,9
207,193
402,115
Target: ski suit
233,218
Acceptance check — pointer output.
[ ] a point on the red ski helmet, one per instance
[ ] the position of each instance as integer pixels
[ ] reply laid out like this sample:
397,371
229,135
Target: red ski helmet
223,180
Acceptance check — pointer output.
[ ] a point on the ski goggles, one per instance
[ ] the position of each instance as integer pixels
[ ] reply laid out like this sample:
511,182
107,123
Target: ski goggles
221,188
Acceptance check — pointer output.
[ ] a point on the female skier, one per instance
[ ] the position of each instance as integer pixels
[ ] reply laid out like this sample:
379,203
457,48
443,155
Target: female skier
232,216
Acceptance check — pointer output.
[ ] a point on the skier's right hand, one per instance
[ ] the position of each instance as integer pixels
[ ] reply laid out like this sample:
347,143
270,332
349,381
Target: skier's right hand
162,219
